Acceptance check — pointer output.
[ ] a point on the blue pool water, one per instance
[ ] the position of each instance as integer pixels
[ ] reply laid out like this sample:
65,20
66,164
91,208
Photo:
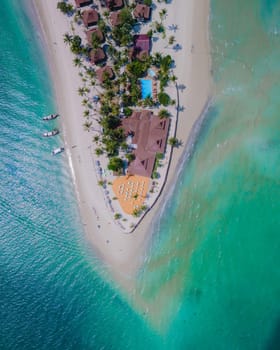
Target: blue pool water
146,88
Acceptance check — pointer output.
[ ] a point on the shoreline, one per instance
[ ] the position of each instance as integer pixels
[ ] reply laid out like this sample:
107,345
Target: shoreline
124,253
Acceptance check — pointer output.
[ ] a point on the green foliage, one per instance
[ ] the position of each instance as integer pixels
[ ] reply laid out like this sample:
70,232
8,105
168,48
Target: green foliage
98,151
150,33
137,68
127,111
159,156
76,44
117,216
102,26
95,40
130,156
164,99
148,2
115,164
136,213
174,142
165,63
163,113
65,8
122,32
159,27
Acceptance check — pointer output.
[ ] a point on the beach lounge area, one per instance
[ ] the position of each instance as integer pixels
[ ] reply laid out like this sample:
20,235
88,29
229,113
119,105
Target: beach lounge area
131,192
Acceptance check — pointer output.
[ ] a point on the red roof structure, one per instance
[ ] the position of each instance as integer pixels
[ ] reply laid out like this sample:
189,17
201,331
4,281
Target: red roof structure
115,18
142,12
102,72
150,134
142,42
97,55
142,166
94,31
114,5
141,47
81,3
90,17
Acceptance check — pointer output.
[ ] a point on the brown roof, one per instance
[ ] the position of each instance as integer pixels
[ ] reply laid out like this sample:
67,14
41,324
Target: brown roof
114,4
142,166
98,33
90,17
115,18
150,134
142,11
135,53
80,3
97,55
142,42
100,73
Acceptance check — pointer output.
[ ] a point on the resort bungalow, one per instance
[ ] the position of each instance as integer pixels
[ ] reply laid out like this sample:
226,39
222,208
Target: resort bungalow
104,72
97,55
94,32
90,17
149,133
81,3
114,5
115,18
141,47
142,12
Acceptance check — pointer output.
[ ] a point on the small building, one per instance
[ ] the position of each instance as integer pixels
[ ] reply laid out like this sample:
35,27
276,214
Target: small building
141,47
81,3
97,55
142,42
149,133
142,12
90,17
114,5
97,32
102,72
115,18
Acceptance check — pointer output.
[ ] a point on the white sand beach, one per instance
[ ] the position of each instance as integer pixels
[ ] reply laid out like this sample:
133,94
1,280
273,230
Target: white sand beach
123,253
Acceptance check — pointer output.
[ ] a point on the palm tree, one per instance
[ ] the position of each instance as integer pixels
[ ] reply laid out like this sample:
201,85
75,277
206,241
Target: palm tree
86,113
77,62
81,91
171,40
98,152
87,125
173,142
85,101
67,38
163,113
162,14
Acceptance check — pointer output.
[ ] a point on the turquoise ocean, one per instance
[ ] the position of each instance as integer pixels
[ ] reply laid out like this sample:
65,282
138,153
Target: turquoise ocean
211,279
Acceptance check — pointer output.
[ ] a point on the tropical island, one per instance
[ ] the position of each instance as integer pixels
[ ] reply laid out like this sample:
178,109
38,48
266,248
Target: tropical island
126,106
131,80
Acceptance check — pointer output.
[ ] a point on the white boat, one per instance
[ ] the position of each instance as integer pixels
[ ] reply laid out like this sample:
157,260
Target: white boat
51,133
57,151
50,117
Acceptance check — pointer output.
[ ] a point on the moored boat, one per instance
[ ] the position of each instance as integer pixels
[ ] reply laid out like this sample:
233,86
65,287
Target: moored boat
50,117
51,133
57,150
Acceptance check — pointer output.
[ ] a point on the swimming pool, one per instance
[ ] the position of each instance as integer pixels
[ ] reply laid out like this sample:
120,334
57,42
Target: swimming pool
146,88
